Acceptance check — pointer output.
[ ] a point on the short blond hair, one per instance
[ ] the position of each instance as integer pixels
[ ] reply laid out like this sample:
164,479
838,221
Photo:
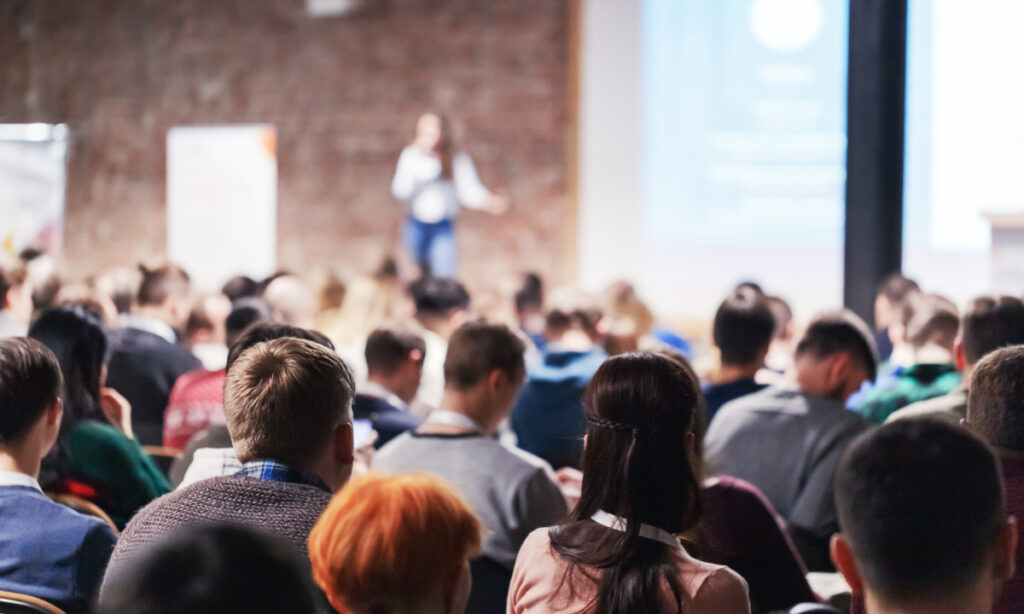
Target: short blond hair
283,399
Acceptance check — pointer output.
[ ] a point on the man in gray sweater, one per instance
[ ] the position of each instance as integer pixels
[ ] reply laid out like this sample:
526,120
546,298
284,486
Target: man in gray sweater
288,404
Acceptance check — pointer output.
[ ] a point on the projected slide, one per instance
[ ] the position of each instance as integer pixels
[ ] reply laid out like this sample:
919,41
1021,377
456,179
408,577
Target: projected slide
744,121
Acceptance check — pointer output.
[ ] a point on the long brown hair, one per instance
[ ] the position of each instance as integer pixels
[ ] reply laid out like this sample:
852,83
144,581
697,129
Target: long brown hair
640,408
446,147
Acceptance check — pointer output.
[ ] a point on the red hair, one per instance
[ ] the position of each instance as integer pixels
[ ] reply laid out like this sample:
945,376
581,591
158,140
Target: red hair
391,540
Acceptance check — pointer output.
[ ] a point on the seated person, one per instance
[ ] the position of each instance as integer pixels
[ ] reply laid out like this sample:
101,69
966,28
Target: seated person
97,456
991,322
894,292
924,525
930,325
743,330
394,361
787,441
442,305
205,333
512,491
15,301
288,407
213,570
197,399
548,416
47,550
410,553
995,408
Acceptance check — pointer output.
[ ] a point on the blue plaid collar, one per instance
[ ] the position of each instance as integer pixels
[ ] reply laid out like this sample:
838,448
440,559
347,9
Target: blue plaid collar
279,472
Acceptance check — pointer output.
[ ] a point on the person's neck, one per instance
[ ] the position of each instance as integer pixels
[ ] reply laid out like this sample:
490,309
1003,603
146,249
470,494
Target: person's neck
388,384
19,461
975,600
153,312
727,374
933,354
465,404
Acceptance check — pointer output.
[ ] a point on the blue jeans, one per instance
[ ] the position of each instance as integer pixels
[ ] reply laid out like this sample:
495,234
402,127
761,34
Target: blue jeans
432,246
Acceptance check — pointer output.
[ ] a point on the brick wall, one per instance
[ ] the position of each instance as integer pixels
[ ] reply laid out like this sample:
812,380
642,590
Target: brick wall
343,94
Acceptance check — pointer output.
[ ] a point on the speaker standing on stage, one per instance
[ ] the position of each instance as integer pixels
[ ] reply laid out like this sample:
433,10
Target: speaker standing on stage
433,179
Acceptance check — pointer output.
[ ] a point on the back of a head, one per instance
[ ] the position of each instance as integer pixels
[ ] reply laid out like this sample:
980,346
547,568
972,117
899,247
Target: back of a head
995,400
477,349
158,284
11,276
413,537
267,331
782,313
211,570
991,322
292,300
77,338
530,294
438,296
841,331
570,307
932,320
245,312
240,287
284,398
920,504
743,328
896,289
30,381
388,348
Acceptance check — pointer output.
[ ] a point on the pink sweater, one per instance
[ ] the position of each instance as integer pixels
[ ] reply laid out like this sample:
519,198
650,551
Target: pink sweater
711,589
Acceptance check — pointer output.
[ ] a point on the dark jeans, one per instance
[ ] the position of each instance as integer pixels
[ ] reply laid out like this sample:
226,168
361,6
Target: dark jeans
432,246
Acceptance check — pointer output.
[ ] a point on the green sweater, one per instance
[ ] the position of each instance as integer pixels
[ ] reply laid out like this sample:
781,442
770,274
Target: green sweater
105,458
911,385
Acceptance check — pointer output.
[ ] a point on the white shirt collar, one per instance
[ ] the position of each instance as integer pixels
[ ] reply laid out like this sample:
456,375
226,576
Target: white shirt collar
451,418
148,324
14,478
375,390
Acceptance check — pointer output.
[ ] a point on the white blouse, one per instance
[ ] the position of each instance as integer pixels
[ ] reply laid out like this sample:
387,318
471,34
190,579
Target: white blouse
430,198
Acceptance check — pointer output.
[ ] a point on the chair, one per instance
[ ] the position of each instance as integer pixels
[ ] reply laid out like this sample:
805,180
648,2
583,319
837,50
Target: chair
163,457
82,506
17,603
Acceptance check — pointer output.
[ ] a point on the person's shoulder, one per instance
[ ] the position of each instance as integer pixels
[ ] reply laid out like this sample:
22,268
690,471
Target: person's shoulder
951,407
521,460
720,590
69,523
536,545
96,433
746,407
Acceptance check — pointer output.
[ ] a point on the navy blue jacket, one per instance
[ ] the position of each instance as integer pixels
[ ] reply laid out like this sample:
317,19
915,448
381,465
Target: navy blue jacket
388,420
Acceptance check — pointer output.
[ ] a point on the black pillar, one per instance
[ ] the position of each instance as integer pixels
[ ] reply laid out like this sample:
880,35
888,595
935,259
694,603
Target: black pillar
874,149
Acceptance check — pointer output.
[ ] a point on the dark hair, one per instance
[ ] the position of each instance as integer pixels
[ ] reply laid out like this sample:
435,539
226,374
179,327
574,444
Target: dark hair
77,338
841,331
637,466
896,288
446,147
438,296
934,320
245,312
991,322
995,399
239,287
10,277
209,570
387,349
530,292
781,312
160,283
267,331
477,348
743,327
921,505
749,285
30,381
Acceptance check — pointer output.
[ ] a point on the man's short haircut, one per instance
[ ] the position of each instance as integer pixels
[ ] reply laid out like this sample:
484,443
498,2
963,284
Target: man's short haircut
209,570
530,293
896,289
995,400
569,306
160,283
245,312
921,505
743,327
413,533
267,331
782,313
841,331
438,296
11,276
30,381
991,322
930,318
478,348
283,399
388,348
240,287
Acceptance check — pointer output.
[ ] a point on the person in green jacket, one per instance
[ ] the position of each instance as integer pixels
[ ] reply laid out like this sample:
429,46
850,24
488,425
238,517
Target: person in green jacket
96,455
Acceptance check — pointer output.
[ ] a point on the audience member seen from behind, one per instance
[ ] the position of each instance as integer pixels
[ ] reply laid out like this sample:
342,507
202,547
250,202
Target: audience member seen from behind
991,322
394,359
15,301
894,292
410,552
512,491
197,399
930,330
780,353
205,333
528,301
742,331
619,550
787,441
47,550
442,305
924,525
288,406
548,416
292,301
995,410
146,359
213,570
96,455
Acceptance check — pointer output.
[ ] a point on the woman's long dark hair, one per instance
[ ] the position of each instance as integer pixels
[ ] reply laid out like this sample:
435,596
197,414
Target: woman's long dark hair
637,465
446,147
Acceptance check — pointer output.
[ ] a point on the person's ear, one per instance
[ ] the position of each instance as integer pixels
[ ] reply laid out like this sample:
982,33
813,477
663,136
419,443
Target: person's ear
842,557
1005,557
55,412
496,381
344,445
837,368
691,442
959,356
964,422
457,595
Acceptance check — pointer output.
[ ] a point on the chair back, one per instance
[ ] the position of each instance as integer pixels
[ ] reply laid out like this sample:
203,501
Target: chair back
163,457
82,506
17,603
